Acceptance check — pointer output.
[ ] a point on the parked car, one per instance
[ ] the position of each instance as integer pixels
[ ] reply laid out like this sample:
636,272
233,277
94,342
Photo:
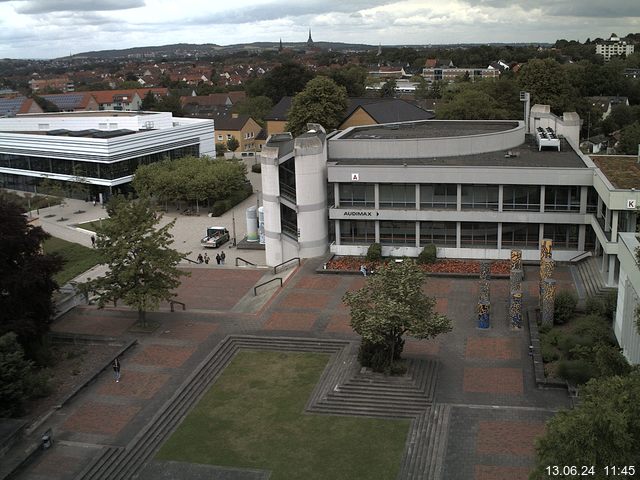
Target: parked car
216,236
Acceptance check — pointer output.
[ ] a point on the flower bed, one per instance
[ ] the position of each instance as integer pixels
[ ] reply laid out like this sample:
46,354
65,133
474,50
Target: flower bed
444,265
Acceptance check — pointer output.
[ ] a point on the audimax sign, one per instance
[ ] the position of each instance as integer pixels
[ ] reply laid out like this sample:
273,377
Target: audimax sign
360,213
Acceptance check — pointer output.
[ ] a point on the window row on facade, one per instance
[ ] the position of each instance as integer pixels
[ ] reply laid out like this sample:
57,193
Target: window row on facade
472,234
472,197
108,171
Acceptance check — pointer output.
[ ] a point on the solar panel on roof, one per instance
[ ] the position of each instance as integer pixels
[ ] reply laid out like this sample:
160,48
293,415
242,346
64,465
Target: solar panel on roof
11,105
65,102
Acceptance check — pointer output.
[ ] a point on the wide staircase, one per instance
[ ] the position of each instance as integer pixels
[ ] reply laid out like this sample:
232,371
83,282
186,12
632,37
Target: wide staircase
588,272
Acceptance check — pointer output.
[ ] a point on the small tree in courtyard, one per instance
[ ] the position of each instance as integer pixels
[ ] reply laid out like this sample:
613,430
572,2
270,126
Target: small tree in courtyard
390,305
233,144
142,268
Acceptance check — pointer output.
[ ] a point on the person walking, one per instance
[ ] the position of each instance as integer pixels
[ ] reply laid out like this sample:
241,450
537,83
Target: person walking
116,369
363,270
200,259
222,257
206,258
93,241
218,259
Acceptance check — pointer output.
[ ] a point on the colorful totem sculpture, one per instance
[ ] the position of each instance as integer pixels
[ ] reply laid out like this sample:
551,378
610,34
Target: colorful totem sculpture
546,264
484,302
515,310
548,302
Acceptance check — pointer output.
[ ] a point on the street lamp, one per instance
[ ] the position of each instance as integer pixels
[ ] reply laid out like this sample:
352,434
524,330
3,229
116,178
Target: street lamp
233,224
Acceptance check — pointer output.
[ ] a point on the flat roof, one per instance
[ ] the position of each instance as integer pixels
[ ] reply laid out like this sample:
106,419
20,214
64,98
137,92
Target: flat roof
525,155
430,129
622,171
92,113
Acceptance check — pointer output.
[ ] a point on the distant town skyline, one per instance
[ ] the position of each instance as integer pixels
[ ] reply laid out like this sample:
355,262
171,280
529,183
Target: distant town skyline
56,28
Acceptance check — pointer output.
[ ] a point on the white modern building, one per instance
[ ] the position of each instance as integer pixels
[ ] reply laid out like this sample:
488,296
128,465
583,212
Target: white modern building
625,326
614,47
104,147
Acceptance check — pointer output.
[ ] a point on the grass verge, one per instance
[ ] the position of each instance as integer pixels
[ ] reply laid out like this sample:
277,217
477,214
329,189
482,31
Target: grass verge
253,417
77,258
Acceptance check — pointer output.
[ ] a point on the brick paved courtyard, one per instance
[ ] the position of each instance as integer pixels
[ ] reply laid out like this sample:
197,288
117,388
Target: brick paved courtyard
485,375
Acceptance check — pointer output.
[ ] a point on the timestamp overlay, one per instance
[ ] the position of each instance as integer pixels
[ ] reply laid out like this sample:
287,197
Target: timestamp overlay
609,471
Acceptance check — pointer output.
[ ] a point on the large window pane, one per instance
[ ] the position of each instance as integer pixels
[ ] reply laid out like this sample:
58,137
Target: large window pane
399,195
562,199
436,196
357,195
563,236
398,233
438,233
357,232
520,235
479,234
479,197
521,197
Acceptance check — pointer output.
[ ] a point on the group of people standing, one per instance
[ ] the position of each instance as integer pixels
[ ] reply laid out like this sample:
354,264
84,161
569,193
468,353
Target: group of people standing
220,258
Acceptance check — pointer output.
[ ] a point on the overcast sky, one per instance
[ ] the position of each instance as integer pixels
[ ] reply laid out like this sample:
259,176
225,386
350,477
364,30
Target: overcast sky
54,28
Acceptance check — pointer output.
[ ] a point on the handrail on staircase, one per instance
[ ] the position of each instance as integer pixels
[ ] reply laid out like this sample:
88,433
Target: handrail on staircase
246,262
294,259
255,289
581,256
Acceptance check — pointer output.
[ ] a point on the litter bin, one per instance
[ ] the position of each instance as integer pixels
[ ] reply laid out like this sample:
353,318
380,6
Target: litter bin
47,439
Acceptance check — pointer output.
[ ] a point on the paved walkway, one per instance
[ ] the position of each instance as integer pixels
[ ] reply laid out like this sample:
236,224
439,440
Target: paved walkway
486,375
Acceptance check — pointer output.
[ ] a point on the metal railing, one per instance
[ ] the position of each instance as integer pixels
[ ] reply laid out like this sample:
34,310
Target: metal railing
171,302
189,260
581,256
285,262
255,289
246,262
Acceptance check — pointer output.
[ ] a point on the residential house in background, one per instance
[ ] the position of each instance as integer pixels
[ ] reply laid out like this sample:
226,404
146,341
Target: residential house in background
129,100
59,83
73,102
606,104
444,70
242,127
10,106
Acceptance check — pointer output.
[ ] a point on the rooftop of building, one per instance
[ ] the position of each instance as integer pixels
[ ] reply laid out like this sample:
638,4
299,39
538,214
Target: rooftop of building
525,155
622,171
92,113
429,129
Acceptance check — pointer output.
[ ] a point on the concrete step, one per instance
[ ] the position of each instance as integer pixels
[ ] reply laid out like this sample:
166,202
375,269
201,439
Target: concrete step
365,411
394,402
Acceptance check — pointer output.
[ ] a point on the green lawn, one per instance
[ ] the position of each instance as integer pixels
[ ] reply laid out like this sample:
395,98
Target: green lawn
77,258
253,417
92,225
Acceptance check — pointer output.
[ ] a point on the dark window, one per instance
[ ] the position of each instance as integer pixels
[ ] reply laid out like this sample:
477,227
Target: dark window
520,235
563,236
289,221
354,232
479,197
592,200
357,195
562,199
435,196
438,233
479,234
287,172
399,195
521,197
398,233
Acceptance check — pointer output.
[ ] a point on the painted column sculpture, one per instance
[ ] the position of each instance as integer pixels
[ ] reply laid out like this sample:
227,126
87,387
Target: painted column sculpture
516,261
515,310
548,301
484,302
546,264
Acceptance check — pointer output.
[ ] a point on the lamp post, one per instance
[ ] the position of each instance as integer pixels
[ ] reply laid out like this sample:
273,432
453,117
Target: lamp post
233,225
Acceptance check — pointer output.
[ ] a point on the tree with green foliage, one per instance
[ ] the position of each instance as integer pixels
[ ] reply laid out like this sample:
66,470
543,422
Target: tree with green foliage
322,101
233,144
472,104
170,103
149,102
15,371
141,265
286,79
388,89
26,277
629,139
392,303
256,107
548,84
422,90
352,78
603,430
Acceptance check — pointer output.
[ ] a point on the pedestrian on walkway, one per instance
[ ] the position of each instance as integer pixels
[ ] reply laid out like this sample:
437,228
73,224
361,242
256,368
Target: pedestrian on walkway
363,270
116,369
206,258
222,257
93,241
218,259
200,259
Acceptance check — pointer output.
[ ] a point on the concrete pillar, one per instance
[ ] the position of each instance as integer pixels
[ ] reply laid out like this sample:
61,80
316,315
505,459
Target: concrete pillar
417,196
614,225
611,278
540,234
337,230
459,198
418,234
607,221
377,231
376,196
584,192
458,233
270,177
500,202
485,271
336,194
582,235
499,236
542,195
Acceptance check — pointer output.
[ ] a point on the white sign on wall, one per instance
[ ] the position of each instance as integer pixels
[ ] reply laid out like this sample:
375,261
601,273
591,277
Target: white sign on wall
355,177
631,203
